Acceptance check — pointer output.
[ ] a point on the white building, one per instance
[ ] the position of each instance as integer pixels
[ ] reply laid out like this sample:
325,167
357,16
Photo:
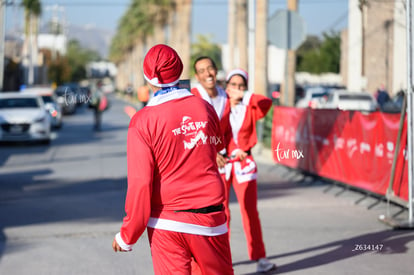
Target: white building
55,43
376,46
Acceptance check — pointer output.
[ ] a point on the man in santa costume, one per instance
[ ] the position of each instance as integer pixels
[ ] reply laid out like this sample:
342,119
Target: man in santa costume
174,188
206,74
241,171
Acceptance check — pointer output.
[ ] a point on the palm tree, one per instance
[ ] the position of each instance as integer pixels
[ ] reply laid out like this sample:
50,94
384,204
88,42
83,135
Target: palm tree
231,35
127,46
241,23
145,24
260,74
32,10
181,33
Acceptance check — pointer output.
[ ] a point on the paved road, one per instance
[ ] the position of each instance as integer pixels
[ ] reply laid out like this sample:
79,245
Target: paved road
60,206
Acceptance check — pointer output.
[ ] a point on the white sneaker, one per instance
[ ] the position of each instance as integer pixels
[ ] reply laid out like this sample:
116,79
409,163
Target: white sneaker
263,265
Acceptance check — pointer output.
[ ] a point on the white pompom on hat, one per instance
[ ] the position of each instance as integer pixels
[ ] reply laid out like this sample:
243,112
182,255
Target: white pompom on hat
240,72
162,66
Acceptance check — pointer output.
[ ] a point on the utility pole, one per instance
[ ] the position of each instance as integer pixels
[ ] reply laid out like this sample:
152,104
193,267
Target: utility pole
251,44
410,123
2,41
260,69
290,82
56,27
231,32
362,7
241,26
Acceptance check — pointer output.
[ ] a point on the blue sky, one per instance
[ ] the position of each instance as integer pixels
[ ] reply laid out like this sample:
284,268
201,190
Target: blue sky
209,16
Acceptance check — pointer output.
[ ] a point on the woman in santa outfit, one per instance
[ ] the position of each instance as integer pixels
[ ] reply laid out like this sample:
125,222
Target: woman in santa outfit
174,188
246,109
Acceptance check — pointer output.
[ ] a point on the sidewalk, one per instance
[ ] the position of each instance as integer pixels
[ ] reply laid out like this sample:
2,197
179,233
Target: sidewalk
314,227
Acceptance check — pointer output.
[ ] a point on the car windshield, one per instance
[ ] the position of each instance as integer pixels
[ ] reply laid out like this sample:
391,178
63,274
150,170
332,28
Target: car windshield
354,97
315,92
47,99
24,102
317,95
63,91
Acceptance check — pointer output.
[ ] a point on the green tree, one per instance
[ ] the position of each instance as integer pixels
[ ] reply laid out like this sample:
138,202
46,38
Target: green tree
311,43
77,58
204,47
317,57
32,11
70,67
141,20
59,70
331,49
144,24
267,128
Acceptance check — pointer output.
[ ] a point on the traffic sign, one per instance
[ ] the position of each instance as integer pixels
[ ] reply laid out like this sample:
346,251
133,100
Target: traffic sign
286,29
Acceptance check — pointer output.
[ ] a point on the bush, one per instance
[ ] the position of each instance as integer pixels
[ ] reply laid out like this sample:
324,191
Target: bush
267,128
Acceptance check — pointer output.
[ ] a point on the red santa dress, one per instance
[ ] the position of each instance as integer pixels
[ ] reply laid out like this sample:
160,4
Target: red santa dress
242,174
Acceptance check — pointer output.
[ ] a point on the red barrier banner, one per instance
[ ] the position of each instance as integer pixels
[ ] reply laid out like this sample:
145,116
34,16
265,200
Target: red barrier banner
346,146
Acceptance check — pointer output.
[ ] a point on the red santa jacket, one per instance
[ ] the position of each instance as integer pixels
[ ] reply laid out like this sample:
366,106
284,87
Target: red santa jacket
171,153
243,118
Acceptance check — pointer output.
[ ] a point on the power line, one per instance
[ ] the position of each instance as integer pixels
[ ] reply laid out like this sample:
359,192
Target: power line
85,3
127,3
338,21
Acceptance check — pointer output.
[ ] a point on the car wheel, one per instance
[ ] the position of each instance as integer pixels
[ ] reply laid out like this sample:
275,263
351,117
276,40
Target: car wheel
46,141
58,126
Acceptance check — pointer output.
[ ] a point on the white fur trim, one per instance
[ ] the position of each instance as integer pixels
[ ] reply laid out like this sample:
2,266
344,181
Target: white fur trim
237,71
121,242
154,81
180,93
187,227
246,98
221,94
237,116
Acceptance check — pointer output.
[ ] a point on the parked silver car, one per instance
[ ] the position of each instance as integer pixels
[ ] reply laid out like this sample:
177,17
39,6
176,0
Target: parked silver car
23,117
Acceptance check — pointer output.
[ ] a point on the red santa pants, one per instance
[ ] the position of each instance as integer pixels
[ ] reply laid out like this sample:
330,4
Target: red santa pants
179,253
246,193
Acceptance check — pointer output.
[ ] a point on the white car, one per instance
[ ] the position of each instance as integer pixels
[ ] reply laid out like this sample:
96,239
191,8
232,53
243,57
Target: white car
312,97
51,104
23,117
351,101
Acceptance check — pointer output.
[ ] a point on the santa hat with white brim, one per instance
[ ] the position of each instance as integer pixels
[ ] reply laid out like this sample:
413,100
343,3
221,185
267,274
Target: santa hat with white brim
240,72
162,66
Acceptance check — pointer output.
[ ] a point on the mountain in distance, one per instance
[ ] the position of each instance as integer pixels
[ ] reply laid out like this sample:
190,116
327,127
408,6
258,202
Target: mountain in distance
91,37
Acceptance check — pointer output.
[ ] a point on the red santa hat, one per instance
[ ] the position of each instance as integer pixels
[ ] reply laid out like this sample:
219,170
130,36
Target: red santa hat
162,66
240,72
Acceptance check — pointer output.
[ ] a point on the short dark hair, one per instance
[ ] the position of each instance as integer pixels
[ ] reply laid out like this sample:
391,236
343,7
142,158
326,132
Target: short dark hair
201,58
